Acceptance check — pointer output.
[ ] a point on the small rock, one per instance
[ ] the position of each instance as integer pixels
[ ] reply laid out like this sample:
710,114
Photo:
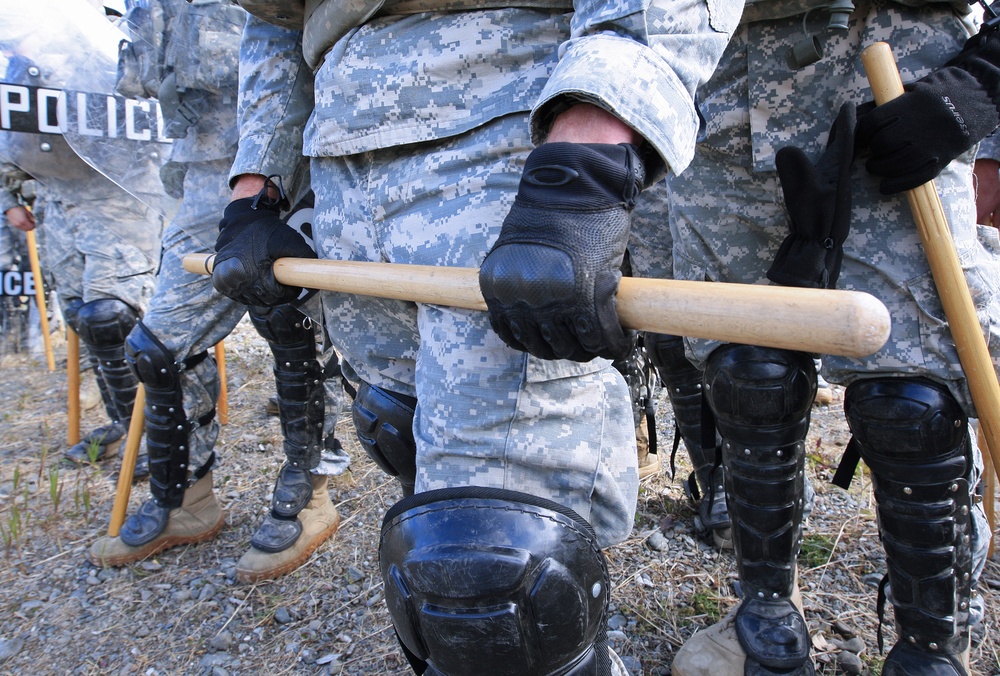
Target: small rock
844,629
617,621
207,592
850,663
855,645
632,664
222,642
281,615
151,566
872,579
657,542
10,647
328,658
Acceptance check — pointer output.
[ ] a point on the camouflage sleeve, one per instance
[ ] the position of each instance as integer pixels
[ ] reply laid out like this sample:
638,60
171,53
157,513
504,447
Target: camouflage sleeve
275,100
7,200
643,62
989,148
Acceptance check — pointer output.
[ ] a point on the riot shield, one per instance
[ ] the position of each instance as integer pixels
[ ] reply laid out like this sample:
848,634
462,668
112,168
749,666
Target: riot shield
60,119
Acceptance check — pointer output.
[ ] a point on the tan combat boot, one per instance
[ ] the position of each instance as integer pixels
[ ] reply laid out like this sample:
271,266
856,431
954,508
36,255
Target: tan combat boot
199,518
716,651
319,519
649,463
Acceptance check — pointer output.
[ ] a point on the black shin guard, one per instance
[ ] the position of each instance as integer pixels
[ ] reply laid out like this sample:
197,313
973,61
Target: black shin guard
384,423
683,382
298,379
913,436
103,326
761,399
167,432
489,581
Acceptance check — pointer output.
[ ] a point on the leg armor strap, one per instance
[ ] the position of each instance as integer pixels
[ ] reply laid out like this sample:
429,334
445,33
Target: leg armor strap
167,424
913,435
493,581
384,423
298,378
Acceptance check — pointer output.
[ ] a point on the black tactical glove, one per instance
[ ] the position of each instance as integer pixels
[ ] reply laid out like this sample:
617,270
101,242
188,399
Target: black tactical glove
551,278
913,137
250,240
818,201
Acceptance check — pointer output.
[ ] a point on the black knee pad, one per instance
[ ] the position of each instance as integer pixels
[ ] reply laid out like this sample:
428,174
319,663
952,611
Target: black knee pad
71,310
384,424
489,581
760,394
284,324
105,322
907,426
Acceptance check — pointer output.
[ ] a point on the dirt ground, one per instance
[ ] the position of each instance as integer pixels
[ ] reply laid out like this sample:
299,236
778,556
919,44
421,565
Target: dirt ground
183,611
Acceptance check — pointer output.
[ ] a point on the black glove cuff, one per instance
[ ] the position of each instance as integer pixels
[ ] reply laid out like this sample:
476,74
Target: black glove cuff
584,176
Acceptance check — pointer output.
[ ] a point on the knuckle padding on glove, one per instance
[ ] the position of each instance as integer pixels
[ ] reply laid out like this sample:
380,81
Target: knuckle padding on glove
550,279
248,243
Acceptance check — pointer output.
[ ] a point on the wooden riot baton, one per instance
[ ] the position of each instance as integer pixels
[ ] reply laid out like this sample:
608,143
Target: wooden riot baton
127,471
43,313
220,361
847,323
942,257
72,386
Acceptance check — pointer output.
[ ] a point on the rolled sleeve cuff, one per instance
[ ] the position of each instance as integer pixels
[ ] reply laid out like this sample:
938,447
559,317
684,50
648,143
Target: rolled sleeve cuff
629,80
266,156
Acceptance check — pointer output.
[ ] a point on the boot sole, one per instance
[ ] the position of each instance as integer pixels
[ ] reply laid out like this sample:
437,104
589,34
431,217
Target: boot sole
251,576
157,546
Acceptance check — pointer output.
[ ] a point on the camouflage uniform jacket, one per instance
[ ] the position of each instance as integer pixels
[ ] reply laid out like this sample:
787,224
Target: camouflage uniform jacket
411,73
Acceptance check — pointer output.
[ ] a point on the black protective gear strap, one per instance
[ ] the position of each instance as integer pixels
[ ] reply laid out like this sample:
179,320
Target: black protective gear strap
298,379
292,492
167,426
384,423
493,581
145,524
774,636
640,376
914,437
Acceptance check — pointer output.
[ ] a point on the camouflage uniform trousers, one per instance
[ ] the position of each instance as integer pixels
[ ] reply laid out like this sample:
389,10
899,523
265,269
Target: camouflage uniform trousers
103,249
187,314
487,415
727,214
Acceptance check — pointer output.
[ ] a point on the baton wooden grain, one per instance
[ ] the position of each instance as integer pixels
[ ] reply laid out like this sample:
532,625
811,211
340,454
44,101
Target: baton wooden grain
43,313
946,268
846,323
72,387
124,489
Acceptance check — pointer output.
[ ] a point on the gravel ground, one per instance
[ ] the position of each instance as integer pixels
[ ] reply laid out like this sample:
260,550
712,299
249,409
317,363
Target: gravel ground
183,612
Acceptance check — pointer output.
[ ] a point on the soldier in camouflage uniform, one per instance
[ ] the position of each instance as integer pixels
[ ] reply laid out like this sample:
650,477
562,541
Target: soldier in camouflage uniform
908,406
102,245
186,55
421,119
